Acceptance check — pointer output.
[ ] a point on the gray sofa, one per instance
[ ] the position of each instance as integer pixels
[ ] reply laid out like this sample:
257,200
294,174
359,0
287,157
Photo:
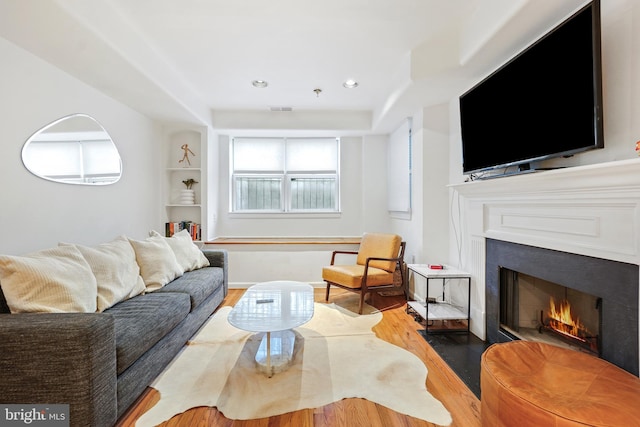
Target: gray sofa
100,363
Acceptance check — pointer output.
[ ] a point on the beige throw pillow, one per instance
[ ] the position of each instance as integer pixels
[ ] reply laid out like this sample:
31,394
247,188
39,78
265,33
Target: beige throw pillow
189,256
116,270
56,280
158,263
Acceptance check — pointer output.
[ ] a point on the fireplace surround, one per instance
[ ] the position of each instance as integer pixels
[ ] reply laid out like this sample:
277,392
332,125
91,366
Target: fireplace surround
590,211
615,282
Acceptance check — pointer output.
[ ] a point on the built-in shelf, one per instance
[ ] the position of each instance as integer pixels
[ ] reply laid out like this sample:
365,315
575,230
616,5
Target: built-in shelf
176,173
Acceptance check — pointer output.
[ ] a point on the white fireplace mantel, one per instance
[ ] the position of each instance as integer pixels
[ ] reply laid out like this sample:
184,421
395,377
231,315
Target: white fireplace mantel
591,210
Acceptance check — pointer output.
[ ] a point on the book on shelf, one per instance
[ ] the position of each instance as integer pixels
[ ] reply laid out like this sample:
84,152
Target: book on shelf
172,228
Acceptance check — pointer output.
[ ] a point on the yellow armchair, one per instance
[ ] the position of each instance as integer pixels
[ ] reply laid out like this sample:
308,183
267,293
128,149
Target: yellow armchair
377,259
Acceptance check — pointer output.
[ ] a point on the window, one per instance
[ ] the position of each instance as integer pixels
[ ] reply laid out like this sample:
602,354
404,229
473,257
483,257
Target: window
284,175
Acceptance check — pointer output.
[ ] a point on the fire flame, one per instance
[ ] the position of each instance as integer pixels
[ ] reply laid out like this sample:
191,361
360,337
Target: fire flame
561,319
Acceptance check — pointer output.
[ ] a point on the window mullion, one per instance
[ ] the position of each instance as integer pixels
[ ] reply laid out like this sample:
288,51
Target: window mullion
283,189
286,182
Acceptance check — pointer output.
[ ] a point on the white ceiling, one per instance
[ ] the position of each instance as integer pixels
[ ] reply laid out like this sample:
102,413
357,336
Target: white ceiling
194,60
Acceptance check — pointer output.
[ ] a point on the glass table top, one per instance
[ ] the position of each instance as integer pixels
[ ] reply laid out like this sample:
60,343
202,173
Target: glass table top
273,306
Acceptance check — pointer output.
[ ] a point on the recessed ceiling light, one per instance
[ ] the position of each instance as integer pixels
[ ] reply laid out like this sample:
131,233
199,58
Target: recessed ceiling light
260,83
281,108
350,84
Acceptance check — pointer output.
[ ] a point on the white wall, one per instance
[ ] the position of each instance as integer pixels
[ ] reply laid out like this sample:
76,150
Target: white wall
214,162
375,217
36,213
426,230
254,263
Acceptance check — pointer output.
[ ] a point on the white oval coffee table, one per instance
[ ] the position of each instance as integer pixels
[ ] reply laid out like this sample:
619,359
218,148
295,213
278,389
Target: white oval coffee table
275,308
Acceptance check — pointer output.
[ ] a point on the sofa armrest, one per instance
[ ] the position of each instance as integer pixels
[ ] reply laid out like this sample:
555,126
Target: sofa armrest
61,358
219,258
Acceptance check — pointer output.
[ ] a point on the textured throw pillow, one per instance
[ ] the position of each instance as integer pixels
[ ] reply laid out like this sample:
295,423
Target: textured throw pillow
189,256
158,263
56,280
116,270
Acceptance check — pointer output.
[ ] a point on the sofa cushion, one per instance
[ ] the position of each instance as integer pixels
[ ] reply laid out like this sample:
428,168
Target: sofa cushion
116,270
55,280
142,321
198,284
189,256
157,261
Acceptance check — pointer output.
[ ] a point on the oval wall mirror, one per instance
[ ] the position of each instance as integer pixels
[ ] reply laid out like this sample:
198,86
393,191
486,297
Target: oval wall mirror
75,149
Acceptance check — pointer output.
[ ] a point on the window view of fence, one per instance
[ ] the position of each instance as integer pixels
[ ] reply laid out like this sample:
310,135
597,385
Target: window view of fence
258,193
285,175
313,193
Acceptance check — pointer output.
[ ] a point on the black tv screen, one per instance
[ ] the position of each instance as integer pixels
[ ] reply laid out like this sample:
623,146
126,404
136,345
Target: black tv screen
545,102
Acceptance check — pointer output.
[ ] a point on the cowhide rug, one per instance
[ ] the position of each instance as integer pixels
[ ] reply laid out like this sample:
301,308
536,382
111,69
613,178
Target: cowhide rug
336,356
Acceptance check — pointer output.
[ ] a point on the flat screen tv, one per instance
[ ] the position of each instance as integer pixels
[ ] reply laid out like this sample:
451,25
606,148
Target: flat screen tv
545,102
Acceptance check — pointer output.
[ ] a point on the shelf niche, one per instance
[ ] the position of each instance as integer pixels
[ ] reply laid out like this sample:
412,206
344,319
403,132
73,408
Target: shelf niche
186,153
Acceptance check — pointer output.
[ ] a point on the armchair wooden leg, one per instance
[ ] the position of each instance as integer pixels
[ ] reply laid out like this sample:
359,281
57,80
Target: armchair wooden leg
362,294
326,298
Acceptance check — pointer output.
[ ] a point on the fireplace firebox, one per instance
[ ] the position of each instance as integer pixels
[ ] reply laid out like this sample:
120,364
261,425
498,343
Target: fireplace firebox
526,284
533,309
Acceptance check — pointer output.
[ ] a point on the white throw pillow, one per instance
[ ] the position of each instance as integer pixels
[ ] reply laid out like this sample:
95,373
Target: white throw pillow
189,256
116,270
158,263
56,280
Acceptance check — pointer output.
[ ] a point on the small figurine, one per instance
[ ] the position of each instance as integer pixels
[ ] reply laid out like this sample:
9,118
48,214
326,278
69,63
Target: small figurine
638,148
185,156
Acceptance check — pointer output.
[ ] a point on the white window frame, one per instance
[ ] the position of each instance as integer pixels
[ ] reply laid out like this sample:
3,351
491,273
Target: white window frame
286,177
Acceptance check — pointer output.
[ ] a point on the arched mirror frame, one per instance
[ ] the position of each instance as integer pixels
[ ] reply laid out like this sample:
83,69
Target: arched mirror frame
75,149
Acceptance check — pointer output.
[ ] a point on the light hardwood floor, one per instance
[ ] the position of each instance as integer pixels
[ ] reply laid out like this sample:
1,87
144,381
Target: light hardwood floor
396,327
